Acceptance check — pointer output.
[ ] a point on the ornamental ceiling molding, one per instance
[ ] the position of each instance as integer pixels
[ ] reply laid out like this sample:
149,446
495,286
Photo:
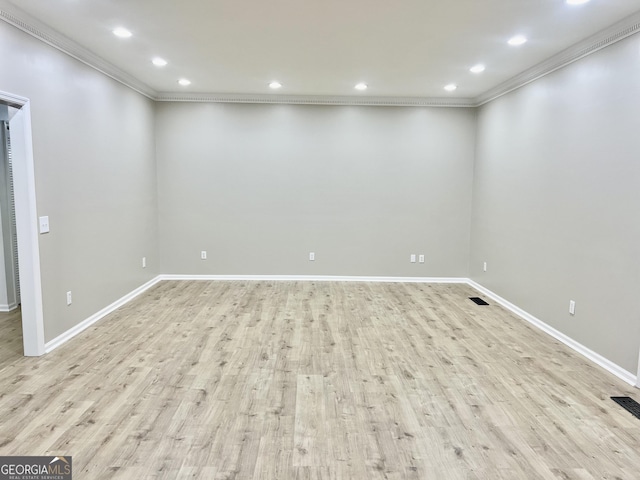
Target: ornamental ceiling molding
12,15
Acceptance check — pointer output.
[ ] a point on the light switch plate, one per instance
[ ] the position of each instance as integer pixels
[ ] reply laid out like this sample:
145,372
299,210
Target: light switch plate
44,224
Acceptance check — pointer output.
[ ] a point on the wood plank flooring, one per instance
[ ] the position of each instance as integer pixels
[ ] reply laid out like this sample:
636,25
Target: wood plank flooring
302,380
10,336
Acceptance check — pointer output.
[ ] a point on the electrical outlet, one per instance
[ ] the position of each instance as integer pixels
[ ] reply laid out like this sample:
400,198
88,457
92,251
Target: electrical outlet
572,307
203,255
484,267
312,256
144,262
413,258
421,258
69,299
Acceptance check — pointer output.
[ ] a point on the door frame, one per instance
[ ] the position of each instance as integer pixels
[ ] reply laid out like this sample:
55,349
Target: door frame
26,225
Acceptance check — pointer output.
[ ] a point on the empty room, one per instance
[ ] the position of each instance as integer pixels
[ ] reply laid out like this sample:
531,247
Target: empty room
319,240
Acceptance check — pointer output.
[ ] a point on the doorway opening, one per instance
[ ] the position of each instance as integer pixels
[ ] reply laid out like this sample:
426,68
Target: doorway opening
18,224
10,315
10,281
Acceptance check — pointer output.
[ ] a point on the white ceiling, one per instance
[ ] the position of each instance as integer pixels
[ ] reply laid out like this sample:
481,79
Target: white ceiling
409,48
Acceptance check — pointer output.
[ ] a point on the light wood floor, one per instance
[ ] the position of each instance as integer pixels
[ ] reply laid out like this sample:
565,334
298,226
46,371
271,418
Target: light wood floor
293,380
10,337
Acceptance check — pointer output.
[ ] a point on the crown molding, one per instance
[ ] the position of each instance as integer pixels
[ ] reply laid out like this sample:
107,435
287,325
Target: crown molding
13,15
316,100
28,24
616,32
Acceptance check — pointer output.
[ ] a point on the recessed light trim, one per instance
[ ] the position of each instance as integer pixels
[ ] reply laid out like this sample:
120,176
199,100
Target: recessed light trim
275,85
159,62
361,86
122,32
479,68
517,40
451,87
184,82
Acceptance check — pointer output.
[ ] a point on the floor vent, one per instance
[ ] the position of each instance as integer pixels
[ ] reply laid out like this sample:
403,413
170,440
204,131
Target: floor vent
478,301
629,404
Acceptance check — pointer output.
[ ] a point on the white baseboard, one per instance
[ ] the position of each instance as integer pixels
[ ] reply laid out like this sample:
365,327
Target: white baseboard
8,308
72,332
596,358
578,347
317,278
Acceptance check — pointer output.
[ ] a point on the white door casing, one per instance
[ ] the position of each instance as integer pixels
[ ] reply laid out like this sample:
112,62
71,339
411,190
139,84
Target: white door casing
26,225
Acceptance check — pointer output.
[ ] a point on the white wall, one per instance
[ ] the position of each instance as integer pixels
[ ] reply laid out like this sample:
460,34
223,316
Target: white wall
557,200
555,190
95,178
261,186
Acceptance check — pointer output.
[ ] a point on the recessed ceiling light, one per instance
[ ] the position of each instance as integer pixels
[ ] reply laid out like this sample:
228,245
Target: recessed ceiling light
517,40
451,87
159,62
477,68
361,86
275,85
184,82
121,32
576,2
